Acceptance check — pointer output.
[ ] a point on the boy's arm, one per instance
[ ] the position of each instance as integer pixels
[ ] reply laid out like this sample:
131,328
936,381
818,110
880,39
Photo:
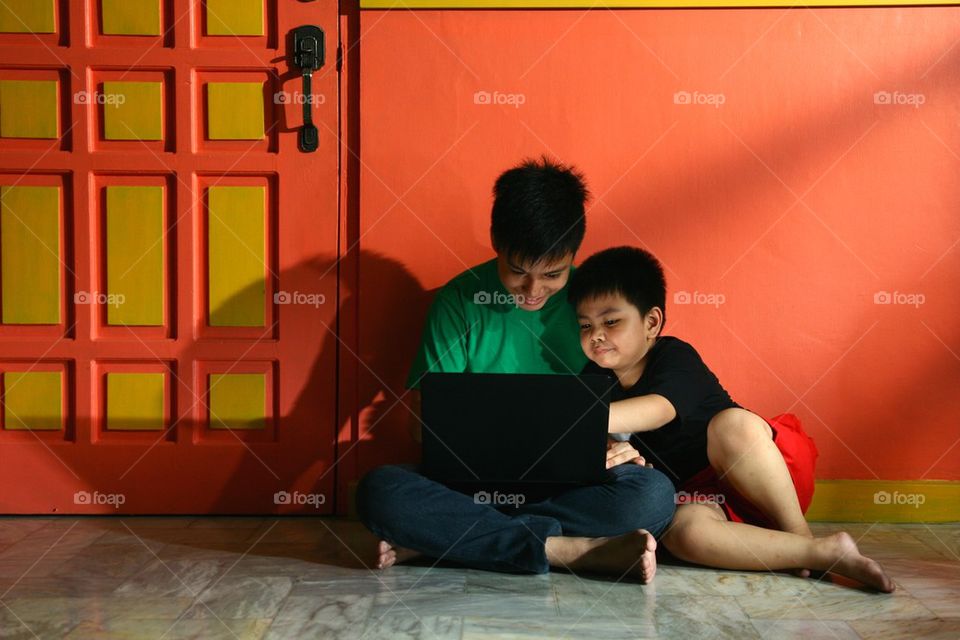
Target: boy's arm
643,413
442,349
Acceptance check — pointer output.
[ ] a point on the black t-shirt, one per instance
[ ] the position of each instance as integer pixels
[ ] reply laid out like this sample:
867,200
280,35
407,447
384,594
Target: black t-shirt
675,371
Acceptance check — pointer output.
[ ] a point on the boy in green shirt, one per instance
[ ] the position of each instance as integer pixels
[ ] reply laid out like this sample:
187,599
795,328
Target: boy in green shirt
511,315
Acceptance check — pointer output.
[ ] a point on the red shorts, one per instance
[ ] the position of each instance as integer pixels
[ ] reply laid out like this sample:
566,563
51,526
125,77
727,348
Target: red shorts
800,454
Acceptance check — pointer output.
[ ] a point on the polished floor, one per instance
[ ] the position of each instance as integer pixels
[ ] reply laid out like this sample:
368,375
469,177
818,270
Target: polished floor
246,578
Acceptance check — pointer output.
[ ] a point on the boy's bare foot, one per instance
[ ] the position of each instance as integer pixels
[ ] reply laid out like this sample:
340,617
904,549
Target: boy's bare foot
844,558
633,552
388,555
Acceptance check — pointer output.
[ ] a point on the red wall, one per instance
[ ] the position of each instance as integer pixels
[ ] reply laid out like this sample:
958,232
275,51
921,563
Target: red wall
797,199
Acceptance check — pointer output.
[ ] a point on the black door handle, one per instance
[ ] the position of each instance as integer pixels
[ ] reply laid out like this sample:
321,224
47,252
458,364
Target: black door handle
308,54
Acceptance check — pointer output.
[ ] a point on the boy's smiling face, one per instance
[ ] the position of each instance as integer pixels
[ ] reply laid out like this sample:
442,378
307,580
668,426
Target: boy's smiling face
616,336
533,284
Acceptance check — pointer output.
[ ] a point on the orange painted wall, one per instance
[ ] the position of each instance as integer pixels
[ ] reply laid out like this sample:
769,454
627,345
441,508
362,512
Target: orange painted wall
797,199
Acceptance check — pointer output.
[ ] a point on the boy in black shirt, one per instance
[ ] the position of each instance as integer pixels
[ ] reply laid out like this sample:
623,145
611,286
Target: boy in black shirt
743,482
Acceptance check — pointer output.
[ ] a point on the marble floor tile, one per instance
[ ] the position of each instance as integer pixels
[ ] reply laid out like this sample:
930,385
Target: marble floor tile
176,629
333,616
479,605
398,579
683,580
804,629
59,586
171,578
208,577
410,627
569,629
242,597
845,604
940,629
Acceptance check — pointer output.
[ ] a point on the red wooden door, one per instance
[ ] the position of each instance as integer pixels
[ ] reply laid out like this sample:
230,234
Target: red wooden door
167,255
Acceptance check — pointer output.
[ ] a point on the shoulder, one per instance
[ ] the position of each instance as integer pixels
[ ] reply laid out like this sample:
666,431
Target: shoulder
671,350
474,280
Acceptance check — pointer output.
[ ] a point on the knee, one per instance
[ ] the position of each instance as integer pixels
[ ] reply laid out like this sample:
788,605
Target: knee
682,536
735,429
654,500
376,494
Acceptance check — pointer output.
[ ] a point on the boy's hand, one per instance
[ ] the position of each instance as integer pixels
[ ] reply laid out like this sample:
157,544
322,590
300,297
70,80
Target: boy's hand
620,452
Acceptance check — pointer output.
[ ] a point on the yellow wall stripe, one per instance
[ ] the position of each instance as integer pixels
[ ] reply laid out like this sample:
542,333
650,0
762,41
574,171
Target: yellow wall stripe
30,254
32,400
237,401
134,230
630,4
234,17
133,110
28,109
235,110
27,16
131,17
235,236
135,401
885,501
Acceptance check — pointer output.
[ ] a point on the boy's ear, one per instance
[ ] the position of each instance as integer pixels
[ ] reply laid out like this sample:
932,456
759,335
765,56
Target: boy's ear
654,320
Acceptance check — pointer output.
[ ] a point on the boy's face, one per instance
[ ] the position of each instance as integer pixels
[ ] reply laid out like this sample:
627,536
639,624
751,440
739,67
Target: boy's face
614,334
533,283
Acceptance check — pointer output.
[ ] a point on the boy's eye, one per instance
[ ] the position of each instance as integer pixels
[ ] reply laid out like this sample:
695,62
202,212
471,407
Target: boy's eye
517,273
553,276
584,327
610,323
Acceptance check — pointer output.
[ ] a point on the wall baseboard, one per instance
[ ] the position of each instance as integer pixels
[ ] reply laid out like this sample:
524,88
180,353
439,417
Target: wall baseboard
885,501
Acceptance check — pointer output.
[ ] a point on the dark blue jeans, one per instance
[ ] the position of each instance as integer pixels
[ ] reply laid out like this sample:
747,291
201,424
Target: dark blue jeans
403,507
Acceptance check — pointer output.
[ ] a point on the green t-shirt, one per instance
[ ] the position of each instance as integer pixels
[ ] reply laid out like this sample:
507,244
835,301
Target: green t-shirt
474,326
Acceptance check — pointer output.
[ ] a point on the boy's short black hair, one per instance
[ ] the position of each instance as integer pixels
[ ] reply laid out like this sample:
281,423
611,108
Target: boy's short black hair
630,272
538,211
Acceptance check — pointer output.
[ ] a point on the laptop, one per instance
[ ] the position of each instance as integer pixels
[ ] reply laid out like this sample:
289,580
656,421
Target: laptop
514,437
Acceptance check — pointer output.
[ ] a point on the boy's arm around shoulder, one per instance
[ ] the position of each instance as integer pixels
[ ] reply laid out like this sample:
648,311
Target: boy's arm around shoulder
642,413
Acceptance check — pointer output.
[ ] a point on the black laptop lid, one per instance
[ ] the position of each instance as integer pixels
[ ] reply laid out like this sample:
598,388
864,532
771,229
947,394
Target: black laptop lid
509,428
